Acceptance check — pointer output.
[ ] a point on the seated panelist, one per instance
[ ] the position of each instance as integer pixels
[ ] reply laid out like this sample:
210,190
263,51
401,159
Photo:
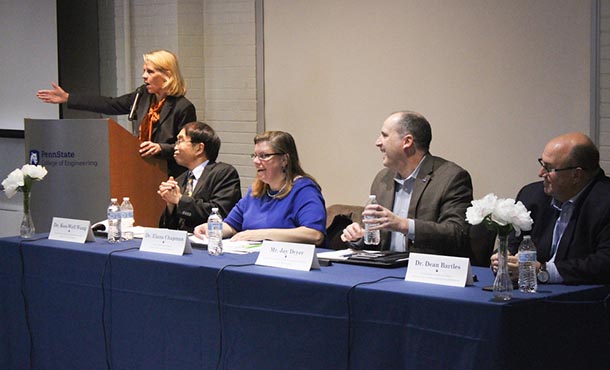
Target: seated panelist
422,198
571,212
284,203
207,184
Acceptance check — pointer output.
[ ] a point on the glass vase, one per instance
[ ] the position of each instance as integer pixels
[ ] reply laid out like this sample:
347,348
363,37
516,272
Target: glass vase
27,229
503,285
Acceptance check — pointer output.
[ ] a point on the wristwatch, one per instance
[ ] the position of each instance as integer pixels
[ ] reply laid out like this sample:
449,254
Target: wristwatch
543,274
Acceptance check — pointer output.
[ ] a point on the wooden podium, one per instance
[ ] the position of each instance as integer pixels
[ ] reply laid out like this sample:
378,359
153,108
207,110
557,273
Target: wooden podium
90,161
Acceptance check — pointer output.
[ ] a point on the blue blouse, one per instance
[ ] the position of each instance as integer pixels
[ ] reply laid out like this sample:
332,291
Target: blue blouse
303,206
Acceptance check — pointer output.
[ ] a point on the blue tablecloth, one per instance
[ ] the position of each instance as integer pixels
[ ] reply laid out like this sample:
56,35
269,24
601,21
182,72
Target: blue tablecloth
77,306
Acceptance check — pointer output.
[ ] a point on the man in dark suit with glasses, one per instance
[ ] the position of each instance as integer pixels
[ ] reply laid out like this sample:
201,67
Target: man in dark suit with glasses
571,212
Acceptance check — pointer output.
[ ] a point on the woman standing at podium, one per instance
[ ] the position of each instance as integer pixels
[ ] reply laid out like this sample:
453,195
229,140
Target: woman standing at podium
159,106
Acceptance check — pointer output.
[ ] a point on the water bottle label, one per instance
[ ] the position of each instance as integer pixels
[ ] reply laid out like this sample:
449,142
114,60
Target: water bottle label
127,214
214,236
527,257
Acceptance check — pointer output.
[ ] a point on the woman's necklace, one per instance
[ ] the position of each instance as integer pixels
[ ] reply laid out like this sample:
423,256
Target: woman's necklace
274,195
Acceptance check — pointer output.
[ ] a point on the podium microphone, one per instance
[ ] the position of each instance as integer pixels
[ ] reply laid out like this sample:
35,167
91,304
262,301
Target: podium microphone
134,106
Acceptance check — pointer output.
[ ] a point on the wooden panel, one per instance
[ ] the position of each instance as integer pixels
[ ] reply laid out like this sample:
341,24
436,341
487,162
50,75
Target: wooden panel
134,177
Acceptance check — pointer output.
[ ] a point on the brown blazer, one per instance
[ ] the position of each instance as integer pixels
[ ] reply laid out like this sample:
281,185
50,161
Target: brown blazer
441,194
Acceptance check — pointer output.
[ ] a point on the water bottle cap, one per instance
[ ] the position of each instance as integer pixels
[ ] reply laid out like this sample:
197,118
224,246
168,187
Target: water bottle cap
125,198
372,196
527,236
113,199
215,209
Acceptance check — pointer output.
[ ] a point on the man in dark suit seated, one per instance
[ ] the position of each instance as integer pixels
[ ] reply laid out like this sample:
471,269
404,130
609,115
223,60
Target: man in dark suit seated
422,198
207,184
571,213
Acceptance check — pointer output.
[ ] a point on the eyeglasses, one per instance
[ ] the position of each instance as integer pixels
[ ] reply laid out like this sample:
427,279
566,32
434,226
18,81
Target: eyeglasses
548,169
264,156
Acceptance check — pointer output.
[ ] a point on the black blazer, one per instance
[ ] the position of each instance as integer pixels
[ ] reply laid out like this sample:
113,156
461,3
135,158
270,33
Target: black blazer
218,186
175,113
583,256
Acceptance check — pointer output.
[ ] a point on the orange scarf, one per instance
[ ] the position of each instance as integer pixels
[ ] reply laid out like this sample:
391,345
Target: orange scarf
149,120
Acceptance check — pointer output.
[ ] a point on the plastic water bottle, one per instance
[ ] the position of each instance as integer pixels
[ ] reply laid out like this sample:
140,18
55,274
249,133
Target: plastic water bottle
126,219
527,265
215,233
114,221
371,237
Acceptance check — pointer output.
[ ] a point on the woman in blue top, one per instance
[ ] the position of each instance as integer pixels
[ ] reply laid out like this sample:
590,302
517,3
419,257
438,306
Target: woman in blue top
284,203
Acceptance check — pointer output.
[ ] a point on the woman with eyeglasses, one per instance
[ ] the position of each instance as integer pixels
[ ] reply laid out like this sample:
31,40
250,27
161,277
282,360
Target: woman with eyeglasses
159,107
283,204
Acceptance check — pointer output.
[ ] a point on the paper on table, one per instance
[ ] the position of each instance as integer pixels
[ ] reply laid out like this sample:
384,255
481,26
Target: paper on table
340,255
138,232
344,254
229,246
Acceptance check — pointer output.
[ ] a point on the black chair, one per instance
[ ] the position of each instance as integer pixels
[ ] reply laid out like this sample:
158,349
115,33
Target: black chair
482,242
338,217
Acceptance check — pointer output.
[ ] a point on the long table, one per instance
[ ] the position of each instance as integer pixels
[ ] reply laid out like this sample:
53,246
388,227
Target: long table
110,306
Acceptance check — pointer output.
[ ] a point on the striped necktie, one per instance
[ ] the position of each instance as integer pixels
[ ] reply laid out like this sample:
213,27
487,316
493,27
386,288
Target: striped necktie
189,184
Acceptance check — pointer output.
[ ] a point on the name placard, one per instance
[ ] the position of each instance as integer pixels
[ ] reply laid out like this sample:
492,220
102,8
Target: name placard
293,256
441,270
165,241
70,230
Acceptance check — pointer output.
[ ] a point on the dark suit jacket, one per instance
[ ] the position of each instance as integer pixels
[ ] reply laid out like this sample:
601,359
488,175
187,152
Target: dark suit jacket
175,113
441,194
583,255
218,186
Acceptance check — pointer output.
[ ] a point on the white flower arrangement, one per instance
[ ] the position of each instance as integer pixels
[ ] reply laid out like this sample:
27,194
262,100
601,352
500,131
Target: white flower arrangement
21,179
500,215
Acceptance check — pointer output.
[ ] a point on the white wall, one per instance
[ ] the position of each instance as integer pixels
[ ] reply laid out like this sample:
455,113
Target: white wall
28,60
28,56
496,79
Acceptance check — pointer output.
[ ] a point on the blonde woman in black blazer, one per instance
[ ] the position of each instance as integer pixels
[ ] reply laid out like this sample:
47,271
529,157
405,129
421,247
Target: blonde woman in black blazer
164,89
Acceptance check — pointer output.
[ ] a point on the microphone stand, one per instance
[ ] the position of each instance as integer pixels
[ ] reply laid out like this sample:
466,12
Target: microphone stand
132,112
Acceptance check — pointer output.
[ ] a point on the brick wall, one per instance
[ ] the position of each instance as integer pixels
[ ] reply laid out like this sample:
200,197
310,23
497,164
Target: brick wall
230,82
215,43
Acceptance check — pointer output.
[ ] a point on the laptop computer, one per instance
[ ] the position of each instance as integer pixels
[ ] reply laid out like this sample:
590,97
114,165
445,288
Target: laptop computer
386,259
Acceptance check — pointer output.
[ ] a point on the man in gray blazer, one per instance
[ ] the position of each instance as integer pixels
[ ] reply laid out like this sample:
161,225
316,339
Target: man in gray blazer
207,184
422,198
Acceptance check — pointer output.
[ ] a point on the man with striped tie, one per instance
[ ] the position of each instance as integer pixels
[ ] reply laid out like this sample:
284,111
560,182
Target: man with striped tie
192,195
